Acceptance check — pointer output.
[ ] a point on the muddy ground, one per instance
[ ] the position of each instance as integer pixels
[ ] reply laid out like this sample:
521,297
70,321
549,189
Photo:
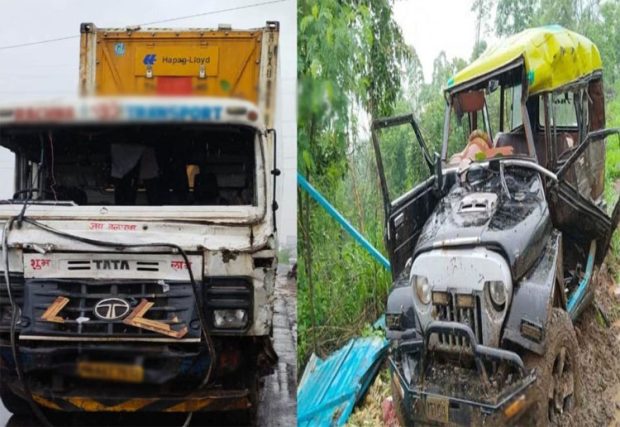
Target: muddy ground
599,367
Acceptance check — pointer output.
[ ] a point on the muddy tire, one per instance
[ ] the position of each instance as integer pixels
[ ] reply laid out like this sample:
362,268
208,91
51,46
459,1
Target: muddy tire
12,402
558,384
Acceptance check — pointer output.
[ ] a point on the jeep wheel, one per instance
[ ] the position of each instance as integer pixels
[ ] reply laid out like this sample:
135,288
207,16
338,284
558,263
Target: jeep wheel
558,383
12,402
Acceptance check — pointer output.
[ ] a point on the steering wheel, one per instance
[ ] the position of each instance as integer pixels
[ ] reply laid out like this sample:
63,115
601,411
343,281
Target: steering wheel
475,174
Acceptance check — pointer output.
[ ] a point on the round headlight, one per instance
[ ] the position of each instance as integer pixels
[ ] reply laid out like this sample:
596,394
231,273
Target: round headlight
422,289
497,292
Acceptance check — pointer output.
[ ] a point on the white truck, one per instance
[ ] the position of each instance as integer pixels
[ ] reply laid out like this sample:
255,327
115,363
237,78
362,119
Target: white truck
139,248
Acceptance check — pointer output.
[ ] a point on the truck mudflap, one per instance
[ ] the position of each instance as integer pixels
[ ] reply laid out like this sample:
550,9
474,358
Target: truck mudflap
208,400
428,392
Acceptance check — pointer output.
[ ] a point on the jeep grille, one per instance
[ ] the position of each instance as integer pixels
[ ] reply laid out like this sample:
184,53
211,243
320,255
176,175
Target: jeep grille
447,309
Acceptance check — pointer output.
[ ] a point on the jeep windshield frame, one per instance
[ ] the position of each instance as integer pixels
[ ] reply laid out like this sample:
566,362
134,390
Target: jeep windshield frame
508,86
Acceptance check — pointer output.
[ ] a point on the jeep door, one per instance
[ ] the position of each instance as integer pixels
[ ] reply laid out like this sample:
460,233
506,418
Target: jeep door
405,168
572,207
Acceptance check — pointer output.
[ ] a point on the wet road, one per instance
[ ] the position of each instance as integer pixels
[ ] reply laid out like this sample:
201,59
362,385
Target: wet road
278,407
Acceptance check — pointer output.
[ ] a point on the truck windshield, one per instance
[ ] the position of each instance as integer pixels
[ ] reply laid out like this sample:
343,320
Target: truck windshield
148,165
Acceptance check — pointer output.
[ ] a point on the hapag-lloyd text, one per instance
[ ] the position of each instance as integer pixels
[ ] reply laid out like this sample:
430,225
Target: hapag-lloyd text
186,60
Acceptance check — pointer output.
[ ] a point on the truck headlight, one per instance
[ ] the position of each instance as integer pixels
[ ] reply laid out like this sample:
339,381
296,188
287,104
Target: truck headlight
497,292
230,319
422,289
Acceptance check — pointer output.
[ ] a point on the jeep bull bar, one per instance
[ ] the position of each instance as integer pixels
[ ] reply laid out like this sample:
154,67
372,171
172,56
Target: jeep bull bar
435,399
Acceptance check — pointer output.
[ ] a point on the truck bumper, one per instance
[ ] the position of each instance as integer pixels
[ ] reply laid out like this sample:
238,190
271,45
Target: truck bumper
207,400
132,378
426,392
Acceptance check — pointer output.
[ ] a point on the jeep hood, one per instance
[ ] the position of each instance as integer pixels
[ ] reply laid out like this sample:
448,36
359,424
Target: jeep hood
515,226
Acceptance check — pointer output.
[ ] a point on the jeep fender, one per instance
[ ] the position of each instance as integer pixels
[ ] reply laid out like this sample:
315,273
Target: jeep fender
400,301
534,296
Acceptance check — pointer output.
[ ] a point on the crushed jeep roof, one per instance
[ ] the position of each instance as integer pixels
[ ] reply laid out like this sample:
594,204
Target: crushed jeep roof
553,56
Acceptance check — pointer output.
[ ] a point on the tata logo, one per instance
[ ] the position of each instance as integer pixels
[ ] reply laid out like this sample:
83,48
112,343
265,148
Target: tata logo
111,264
111,308
149,59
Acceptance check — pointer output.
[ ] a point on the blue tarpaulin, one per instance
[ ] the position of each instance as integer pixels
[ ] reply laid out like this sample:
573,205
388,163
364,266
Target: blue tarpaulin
330,388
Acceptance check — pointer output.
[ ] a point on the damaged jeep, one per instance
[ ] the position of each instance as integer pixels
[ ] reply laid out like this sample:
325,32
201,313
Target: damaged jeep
492,253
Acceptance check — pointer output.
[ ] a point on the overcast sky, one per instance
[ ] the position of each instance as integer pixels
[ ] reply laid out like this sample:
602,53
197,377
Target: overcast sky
435,25
51,70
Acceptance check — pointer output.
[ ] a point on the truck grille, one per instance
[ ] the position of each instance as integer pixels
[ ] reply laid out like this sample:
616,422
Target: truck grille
173,304
448,310
17,292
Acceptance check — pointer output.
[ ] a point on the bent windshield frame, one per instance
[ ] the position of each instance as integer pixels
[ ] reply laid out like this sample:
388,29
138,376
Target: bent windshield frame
499,123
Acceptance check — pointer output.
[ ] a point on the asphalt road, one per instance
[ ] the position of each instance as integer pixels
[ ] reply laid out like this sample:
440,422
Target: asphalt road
278,406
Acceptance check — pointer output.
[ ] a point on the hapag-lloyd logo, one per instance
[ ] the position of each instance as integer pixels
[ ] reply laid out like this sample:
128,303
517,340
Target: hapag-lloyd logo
149,59
181,60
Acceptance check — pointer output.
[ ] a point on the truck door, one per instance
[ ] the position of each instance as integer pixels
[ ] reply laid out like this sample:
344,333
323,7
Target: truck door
571,204
405,169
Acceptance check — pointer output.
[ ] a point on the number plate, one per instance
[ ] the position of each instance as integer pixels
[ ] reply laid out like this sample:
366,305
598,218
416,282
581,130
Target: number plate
437,409
111,372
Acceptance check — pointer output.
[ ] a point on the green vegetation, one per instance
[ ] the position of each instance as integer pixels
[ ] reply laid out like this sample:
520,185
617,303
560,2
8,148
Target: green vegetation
354,66
612,174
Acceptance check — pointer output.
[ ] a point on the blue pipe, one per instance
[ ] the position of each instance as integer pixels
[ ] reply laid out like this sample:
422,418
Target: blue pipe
575,298
342,221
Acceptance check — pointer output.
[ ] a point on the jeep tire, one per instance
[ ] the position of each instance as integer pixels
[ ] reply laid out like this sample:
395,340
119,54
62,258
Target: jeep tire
557,386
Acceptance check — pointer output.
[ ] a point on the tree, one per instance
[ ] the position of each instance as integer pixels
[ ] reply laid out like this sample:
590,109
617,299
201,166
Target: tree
512,16
351,57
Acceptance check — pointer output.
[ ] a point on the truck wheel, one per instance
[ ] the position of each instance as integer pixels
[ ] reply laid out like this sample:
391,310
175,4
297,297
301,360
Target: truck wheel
557,386
12,402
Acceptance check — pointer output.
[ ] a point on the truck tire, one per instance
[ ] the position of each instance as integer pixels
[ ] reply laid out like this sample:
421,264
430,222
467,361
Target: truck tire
558,384
12,402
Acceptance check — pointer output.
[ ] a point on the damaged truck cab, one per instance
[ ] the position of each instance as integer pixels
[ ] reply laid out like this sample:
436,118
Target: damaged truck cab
493,254
139,248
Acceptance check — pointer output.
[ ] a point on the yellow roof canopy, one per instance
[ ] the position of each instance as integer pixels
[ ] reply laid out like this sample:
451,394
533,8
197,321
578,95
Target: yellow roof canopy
553,56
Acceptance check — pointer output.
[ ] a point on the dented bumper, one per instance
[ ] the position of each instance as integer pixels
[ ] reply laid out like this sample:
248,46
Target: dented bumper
128,377
209,400
426,390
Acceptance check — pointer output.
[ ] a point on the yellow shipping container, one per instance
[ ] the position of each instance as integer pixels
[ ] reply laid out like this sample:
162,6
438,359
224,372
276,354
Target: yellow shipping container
181,62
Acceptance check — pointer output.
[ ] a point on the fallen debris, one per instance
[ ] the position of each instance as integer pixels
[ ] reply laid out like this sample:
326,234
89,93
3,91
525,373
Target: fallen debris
329,389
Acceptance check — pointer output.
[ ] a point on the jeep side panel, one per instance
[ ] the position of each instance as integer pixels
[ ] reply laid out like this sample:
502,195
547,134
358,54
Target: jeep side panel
533,299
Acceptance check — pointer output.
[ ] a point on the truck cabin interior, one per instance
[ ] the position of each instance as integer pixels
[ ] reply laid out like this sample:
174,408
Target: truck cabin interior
147,165
557,122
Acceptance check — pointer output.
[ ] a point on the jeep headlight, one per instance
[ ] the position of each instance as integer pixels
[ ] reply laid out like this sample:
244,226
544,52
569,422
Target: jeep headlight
497,292
422,289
